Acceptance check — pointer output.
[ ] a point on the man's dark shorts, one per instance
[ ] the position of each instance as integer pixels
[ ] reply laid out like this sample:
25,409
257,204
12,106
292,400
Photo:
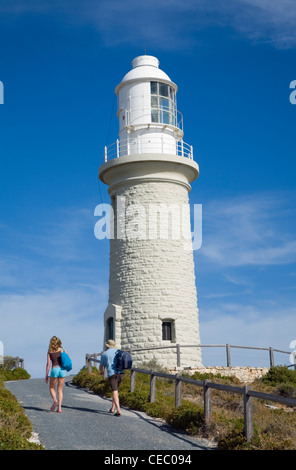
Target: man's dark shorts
115,381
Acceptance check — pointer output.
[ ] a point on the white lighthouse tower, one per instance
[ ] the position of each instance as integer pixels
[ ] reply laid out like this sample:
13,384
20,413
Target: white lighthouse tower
149,169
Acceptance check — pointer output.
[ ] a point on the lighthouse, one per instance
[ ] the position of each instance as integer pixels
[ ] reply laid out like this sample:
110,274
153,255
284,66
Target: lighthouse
152,304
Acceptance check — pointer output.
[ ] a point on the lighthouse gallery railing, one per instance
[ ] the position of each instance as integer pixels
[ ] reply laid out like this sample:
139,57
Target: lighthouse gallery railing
156,144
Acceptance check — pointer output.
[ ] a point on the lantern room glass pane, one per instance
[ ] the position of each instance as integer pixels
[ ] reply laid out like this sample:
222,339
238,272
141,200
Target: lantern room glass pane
164,102
166,117
163,99
154,115
163,89
154,100
154,88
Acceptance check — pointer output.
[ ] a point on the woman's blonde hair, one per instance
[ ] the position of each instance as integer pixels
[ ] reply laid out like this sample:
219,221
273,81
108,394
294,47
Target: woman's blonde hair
54,344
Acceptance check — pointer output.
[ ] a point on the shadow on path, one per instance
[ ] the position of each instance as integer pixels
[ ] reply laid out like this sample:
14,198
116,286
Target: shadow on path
159,424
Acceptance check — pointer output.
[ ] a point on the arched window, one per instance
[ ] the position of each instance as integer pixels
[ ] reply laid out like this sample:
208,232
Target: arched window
110,328
167,331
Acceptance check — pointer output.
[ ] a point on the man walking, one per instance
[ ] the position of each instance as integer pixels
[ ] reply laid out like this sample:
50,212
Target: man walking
115,376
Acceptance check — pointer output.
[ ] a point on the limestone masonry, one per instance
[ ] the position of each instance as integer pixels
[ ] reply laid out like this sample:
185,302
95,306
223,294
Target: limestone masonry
152,290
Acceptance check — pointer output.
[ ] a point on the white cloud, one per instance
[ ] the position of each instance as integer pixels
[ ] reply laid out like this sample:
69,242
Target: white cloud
250,230
246,266
49,292
247,325
29,320
171,24
54,282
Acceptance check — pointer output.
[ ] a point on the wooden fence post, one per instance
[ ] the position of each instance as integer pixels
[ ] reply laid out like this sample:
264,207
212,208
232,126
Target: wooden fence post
178,390
88,363
207,402
178,355
248,413
228,355
152,386
133,380
271,357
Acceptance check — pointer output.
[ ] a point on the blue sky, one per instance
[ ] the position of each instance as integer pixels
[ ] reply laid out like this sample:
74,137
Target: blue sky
233,64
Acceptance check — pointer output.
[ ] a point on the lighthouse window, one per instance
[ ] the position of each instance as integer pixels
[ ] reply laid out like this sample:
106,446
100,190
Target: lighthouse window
163,104
110,328
154,88
167,330
163,89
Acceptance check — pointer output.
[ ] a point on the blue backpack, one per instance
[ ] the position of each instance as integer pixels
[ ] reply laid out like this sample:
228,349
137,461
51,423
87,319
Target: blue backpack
123,360
66,362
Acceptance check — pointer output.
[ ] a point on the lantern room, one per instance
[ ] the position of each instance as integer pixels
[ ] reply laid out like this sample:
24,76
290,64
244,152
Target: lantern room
149,121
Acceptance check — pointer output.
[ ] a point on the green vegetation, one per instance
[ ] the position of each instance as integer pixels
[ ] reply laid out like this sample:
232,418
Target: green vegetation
15,428
274,426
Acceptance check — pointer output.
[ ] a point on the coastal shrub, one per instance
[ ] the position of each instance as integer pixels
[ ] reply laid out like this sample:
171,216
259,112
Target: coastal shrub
15,427
15,374
188,417
279,375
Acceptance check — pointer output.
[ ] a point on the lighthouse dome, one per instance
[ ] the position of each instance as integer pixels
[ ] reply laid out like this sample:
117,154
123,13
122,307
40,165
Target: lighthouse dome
145,67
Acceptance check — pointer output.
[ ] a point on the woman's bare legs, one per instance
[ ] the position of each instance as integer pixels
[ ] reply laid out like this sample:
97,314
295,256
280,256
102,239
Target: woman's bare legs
52,385
61,381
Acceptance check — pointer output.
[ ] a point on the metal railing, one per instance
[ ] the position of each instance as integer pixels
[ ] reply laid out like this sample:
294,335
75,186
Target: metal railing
154,144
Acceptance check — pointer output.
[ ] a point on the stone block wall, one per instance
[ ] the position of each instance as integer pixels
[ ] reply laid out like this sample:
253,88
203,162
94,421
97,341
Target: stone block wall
244,374
153,279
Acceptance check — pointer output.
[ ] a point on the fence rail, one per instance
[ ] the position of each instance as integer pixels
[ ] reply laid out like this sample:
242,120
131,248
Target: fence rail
227,348
247,393
14,361
207,385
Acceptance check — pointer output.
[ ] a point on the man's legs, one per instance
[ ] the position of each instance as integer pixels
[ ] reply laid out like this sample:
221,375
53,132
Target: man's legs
115,401
115,381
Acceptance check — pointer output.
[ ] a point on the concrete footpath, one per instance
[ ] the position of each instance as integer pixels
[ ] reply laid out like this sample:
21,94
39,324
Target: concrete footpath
86,424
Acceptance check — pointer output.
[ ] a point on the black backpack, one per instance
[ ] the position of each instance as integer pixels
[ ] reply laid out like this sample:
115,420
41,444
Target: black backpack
123,360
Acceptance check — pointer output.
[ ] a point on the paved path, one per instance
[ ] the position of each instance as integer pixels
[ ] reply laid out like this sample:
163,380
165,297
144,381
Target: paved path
85,423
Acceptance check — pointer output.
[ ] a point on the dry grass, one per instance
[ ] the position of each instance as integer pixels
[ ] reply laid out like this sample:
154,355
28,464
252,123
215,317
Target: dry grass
274,428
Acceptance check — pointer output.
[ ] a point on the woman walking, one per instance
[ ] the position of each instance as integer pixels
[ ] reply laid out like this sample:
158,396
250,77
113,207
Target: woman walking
57,375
